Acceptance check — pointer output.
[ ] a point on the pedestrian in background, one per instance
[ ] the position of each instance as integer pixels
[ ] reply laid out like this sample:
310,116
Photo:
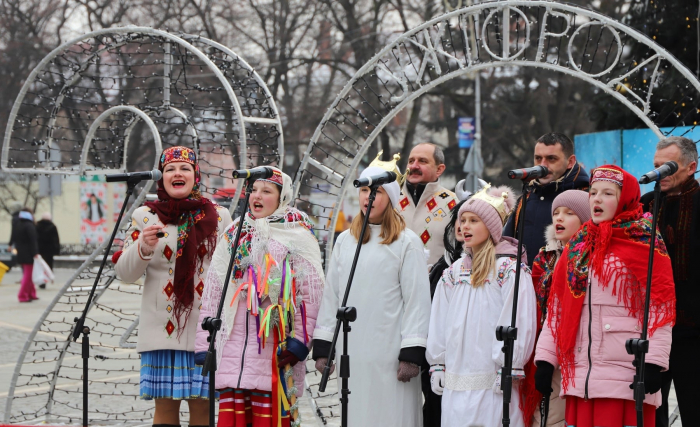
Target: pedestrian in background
24,240
14,209
47,239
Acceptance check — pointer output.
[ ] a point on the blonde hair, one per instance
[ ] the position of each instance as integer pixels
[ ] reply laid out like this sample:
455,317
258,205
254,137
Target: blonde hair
392,226
483,262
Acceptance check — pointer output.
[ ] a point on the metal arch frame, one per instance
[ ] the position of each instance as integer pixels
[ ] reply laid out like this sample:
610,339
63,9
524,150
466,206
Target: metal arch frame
262,120
137,119
273,106
121,30
468,65
101,118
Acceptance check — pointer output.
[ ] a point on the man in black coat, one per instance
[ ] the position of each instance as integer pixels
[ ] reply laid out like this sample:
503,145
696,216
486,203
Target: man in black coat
556,152
47,236
679,225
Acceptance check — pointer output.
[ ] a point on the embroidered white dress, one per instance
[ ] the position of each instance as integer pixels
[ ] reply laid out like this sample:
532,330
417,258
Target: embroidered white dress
391,293
462,337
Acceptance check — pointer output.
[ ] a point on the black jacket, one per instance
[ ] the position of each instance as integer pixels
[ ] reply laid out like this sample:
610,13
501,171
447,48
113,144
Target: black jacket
539,209
47,238
15,219
683,244
24,239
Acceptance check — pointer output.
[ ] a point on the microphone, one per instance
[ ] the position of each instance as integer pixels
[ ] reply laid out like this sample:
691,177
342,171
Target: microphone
382,178
667,169
262,172
528,174
154,175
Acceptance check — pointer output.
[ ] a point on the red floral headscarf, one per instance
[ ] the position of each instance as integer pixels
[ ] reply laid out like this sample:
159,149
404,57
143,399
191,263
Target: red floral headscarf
627,236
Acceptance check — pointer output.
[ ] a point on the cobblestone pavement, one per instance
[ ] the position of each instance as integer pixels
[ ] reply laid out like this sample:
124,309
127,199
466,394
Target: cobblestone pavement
17,321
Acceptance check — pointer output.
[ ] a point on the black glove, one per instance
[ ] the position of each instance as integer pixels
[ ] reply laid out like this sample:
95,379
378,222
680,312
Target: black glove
200,357
652,378
543,377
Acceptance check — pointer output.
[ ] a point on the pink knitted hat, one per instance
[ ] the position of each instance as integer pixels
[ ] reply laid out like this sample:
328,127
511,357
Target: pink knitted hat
492,206
577,201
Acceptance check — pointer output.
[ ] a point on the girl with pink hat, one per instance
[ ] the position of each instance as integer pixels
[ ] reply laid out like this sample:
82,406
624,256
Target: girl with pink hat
474,296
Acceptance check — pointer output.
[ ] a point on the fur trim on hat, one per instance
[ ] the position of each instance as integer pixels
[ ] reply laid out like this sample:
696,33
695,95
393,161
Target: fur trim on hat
510,200
552,244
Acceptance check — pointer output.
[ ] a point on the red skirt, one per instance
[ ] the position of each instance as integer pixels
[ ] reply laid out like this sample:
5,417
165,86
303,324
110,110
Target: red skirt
605,413
247,408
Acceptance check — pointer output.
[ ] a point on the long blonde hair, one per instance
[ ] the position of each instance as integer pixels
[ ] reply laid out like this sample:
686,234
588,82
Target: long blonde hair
392,226
483,262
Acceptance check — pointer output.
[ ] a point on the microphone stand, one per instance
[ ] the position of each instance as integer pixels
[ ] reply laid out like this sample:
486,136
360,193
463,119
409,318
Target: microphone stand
80,327
639,347
213,324
345,315
508,334
544,410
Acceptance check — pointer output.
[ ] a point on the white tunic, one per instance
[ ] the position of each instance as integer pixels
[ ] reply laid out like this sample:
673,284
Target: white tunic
391,293
462,337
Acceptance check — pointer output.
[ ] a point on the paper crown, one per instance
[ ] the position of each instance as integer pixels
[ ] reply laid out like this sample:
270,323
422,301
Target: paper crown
390,166
497,201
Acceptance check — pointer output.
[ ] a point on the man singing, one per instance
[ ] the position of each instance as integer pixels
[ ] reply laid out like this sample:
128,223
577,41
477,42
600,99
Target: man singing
679,224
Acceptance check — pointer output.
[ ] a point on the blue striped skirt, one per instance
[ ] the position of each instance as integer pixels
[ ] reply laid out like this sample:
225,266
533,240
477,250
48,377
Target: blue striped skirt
171,374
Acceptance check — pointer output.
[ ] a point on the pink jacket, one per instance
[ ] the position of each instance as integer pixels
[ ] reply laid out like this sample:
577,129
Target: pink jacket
244,364
608,325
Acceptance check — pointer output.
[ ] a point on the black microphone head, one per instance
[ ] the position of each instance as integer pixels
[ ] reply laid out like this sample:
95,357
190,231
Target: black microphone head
268,172
672,166
156,175
545,170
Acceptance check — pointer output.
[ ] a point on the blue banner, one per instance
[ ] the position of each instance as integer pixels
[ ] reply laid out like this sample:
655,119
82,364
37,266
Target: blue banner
465,131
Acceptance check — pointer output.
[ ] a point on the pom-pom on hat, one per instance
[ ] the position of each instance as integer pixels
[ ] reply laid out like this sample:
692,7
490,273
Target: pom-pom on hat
577,201
492,205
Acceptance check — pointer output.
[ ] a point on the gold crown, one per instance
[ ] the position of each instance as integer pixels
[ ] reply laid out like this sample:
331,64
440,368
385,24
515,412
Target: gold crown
498,202
390,166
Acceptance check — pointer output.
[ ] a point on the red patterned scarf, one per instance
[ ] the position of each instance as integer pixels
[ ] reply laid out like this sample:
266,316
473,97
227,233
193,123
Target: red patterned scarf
196,221
627,236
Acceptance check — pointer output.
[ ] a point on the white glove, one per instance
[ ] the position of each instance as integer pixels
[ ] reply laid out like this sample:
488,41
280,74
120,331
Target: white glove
437,382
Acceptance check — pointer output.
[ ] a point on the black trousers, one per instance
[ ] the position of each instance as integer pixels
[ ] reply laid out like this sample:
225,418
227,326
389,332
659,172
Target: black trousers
432,408
662,412
685,371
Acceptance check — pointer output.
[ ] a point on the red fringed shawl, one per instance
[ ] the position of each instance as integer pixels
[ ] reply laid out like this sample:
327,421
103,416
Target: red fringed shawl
627,236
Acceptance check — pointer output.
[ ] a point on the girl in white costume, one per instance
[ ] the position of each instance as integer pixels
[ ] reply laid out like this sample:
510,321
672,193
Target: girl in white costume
391,292
473,297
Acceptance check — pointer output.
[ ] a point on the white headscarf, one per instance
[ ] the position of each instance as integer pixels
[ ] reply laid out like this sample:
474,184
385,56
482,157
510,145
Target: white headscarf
283,226
392,189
